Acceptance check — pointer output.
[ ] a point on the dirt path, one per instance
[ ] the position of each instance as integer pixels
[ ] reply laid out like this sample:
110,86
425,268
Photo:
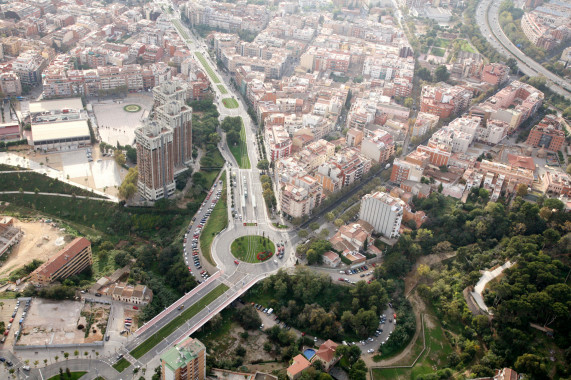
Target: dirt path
418,307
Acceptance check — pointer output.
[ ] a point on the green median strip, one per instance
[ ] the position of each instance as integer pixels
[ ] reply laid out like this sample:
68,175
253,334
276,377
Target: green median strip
171,327
207,67
222,89
121,365
217,221
240,151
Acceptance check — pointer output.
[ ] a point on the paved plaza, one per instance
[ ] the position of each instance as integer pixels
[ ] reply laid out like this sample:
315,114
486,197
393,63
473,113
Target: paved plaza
117,125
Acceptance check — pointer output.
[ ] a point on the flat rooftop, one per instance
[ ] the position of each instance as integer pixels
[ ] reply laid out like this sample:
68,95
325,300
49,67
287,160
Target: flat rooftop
56,105
61,130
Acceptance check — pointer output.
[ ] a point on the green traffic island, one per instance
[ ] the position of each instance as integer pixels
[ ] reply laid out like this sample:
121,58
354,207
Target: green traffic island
67,375
121,365
132,108
249,248
230,103
263,256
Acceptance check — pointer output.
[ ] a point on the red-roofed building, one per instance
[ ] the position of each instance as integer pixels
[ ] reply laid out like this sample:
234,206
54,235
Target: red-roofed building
299,364
523,162
326,354
72,259
506,374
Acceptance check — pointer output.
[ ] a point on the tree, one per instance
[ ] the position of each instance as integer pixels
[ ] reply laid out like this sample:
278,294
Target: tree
313,226
408,102
424,74
358,371
441,74
521,190
532,365
248,317
119,157
129,186
263,164
338,222
330,216
302,234
232,138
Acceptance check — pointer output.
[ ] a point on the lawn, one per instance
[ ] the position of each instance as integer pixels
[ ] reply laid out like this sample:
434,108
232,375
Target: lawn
465,46
434,357
121,365
441,43
222,89
171,327
439,52
246,248
217,222
240,151
181,30
31,181
74,376
230,103
207,67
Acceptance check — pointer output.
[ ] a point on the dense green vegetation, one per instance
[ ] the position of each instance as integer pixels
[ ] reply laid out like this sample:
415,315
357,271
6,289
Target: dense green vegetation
312,303
31,181
175,323
236,140
8,168
484,234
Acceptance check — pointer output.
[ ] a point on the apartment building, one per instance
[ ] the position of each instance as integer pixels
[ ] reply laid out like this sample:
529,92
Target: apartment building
170,91
383,212
300,196
71,260
185,361
424,123
445,100
404,170
547,134
495,73
29,66
155,159
177,116
509,175
10,84
278,142
378,146
558,182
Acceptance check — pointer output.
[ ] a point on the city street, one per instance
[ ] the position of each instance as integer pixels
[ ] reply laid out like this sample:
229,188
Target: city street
487,19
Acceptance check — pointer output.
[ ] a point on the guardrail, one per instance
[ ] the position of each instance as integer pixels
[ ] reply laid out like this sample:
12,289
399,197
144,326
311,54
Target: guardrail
176,304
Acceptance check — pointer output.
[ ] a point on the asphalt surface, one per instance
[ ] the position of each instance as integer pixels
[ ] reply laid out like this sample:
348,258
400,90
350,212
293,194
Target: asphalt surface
487,19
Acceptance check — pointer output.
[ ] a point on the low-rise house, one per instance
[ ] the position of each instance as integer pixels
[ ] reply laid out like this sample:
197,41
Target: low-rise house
326,354
332,259
137,294
298,365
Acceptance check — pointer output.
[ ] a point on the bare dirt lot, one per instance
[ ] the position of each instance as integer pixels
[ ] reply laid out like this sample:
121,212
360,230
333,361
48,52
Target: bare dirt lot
38,242
58,322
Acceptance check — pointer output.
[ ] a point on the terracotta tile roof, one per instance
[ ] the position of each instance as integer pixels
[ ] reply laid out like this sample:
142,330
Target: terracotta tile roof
299,364
326,351
65,255
331,255
521,161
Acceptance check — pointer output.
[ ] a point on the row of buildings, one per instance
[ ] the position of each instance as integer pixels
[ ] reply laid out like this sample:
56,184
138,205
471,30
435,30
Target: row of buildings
548,25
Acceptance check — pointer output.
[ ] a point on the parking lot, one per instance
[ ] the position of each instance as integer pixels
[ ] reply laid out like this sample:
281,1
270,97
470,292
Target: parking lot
63,322
6,313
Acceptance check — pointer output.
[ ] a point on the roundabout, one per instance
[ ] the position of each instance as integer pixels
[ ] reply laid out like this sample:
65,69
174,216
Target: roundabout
132,108
253,248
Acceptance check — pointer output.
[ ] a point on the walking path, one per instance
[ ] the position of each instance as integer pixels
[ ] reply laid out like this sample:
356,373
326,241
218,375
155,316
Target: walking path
487,276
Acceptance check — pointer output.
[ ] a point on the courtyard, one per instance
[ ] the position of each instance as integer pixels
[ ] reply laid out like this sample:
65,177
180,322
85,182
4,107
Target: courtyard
118,119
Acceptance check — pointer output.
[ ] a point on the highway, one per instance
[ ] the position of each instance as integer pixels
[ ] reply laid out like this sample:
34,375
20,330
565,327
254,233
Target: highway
487,19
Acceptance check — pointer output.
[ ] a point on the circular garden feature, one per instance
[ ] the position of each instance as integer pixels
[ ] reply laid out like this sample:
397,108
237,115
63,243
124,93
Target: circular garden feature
253,248
132,108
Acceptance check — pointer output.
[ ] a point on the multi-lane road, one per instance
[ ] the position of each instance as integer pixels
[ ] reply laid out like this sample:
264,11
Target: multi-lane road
487,19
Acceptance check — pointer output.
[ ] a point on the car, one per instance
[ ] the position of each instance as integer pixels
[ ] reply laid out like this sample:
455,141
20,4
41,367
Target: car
97,294
341,279
302,334
315,339
107,338
135,308
2,359
9,363
370,350
120,356
370,339
236,262
11,320
390,305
